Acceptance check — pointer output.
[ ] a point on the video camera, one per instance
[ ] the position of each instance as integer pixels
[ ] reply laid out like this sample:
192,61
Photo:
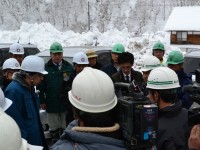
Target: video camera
194,91
194,113
194,95
138,117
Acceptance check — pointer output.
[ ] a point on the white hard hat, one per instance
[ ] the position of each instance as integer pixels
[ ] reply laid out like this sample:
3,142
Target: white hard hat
4,102
80,58
9,133
162,78
33,63
16,48
150,63
11,63
92,91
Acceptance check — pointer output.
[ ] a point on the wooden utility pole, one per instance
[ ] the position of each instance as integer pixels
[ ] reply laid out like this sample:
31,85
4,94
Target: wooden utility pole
88,15
164,10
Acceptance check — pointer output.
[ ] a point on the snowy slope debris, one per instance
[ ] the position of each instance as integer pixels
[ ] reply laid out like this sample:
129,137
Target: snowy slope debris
44,34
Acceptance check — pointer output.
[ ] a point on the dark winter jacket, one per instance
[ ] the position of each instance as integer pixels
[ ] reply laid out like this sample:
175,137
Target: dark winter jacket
109,69
184,79
4,82
86,141
135,75
172,128
97,66
66,87
51,86
25,110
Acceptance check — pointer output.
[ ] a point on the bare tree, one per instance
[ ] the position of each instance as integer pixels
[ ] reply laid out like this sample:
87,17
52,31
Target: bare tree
71,14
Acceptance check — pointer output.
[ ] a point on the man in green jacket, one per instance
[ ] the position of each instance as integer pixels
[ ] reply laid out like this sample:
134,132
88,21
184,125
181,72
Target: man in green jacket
57,69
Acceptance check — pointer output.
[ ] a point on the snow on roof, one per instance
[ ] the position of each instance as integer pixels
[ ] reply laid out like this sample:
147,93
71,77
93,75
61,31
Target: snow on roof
184,19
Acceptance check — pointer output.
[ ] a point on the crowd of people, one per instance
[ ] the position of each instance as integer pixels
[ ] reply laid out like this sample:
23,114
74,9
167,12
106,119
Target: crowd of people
81,102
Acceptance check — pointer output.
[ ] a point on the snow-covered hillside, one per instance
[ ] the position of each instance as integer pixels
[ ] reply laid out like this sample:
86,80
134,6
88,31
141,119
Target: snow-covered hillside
137,24
136,16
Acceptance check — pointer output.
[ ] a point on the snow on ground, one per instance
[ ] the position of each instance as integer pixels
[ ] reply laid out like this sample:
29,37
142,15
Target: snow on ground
44,34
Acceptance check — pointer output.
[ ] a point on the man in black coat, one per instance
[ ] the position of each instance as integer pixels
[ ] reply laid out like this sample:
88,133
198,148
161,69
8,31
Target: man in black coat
127,74
162,87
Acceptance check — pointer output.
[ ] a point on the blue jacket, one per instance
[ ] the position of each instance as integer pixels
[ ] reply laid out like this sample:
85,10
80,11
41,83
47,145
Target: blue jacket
25,111
184,79
86,141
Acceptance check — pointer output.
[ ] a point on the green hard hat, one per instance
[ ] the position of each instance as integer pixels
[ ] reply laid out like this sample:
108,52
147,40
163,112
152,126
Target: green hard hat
118,48
158,45
175,57
56,47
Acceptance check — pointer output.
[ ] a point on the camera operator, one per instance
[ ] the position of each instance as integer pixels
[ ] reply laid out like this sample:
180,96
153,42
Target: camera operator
172,118
96,126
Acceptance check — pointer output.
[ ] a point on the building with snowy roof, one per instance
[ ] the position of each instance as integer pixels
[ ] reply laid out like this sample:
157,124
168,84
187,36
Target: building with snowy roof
184,26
